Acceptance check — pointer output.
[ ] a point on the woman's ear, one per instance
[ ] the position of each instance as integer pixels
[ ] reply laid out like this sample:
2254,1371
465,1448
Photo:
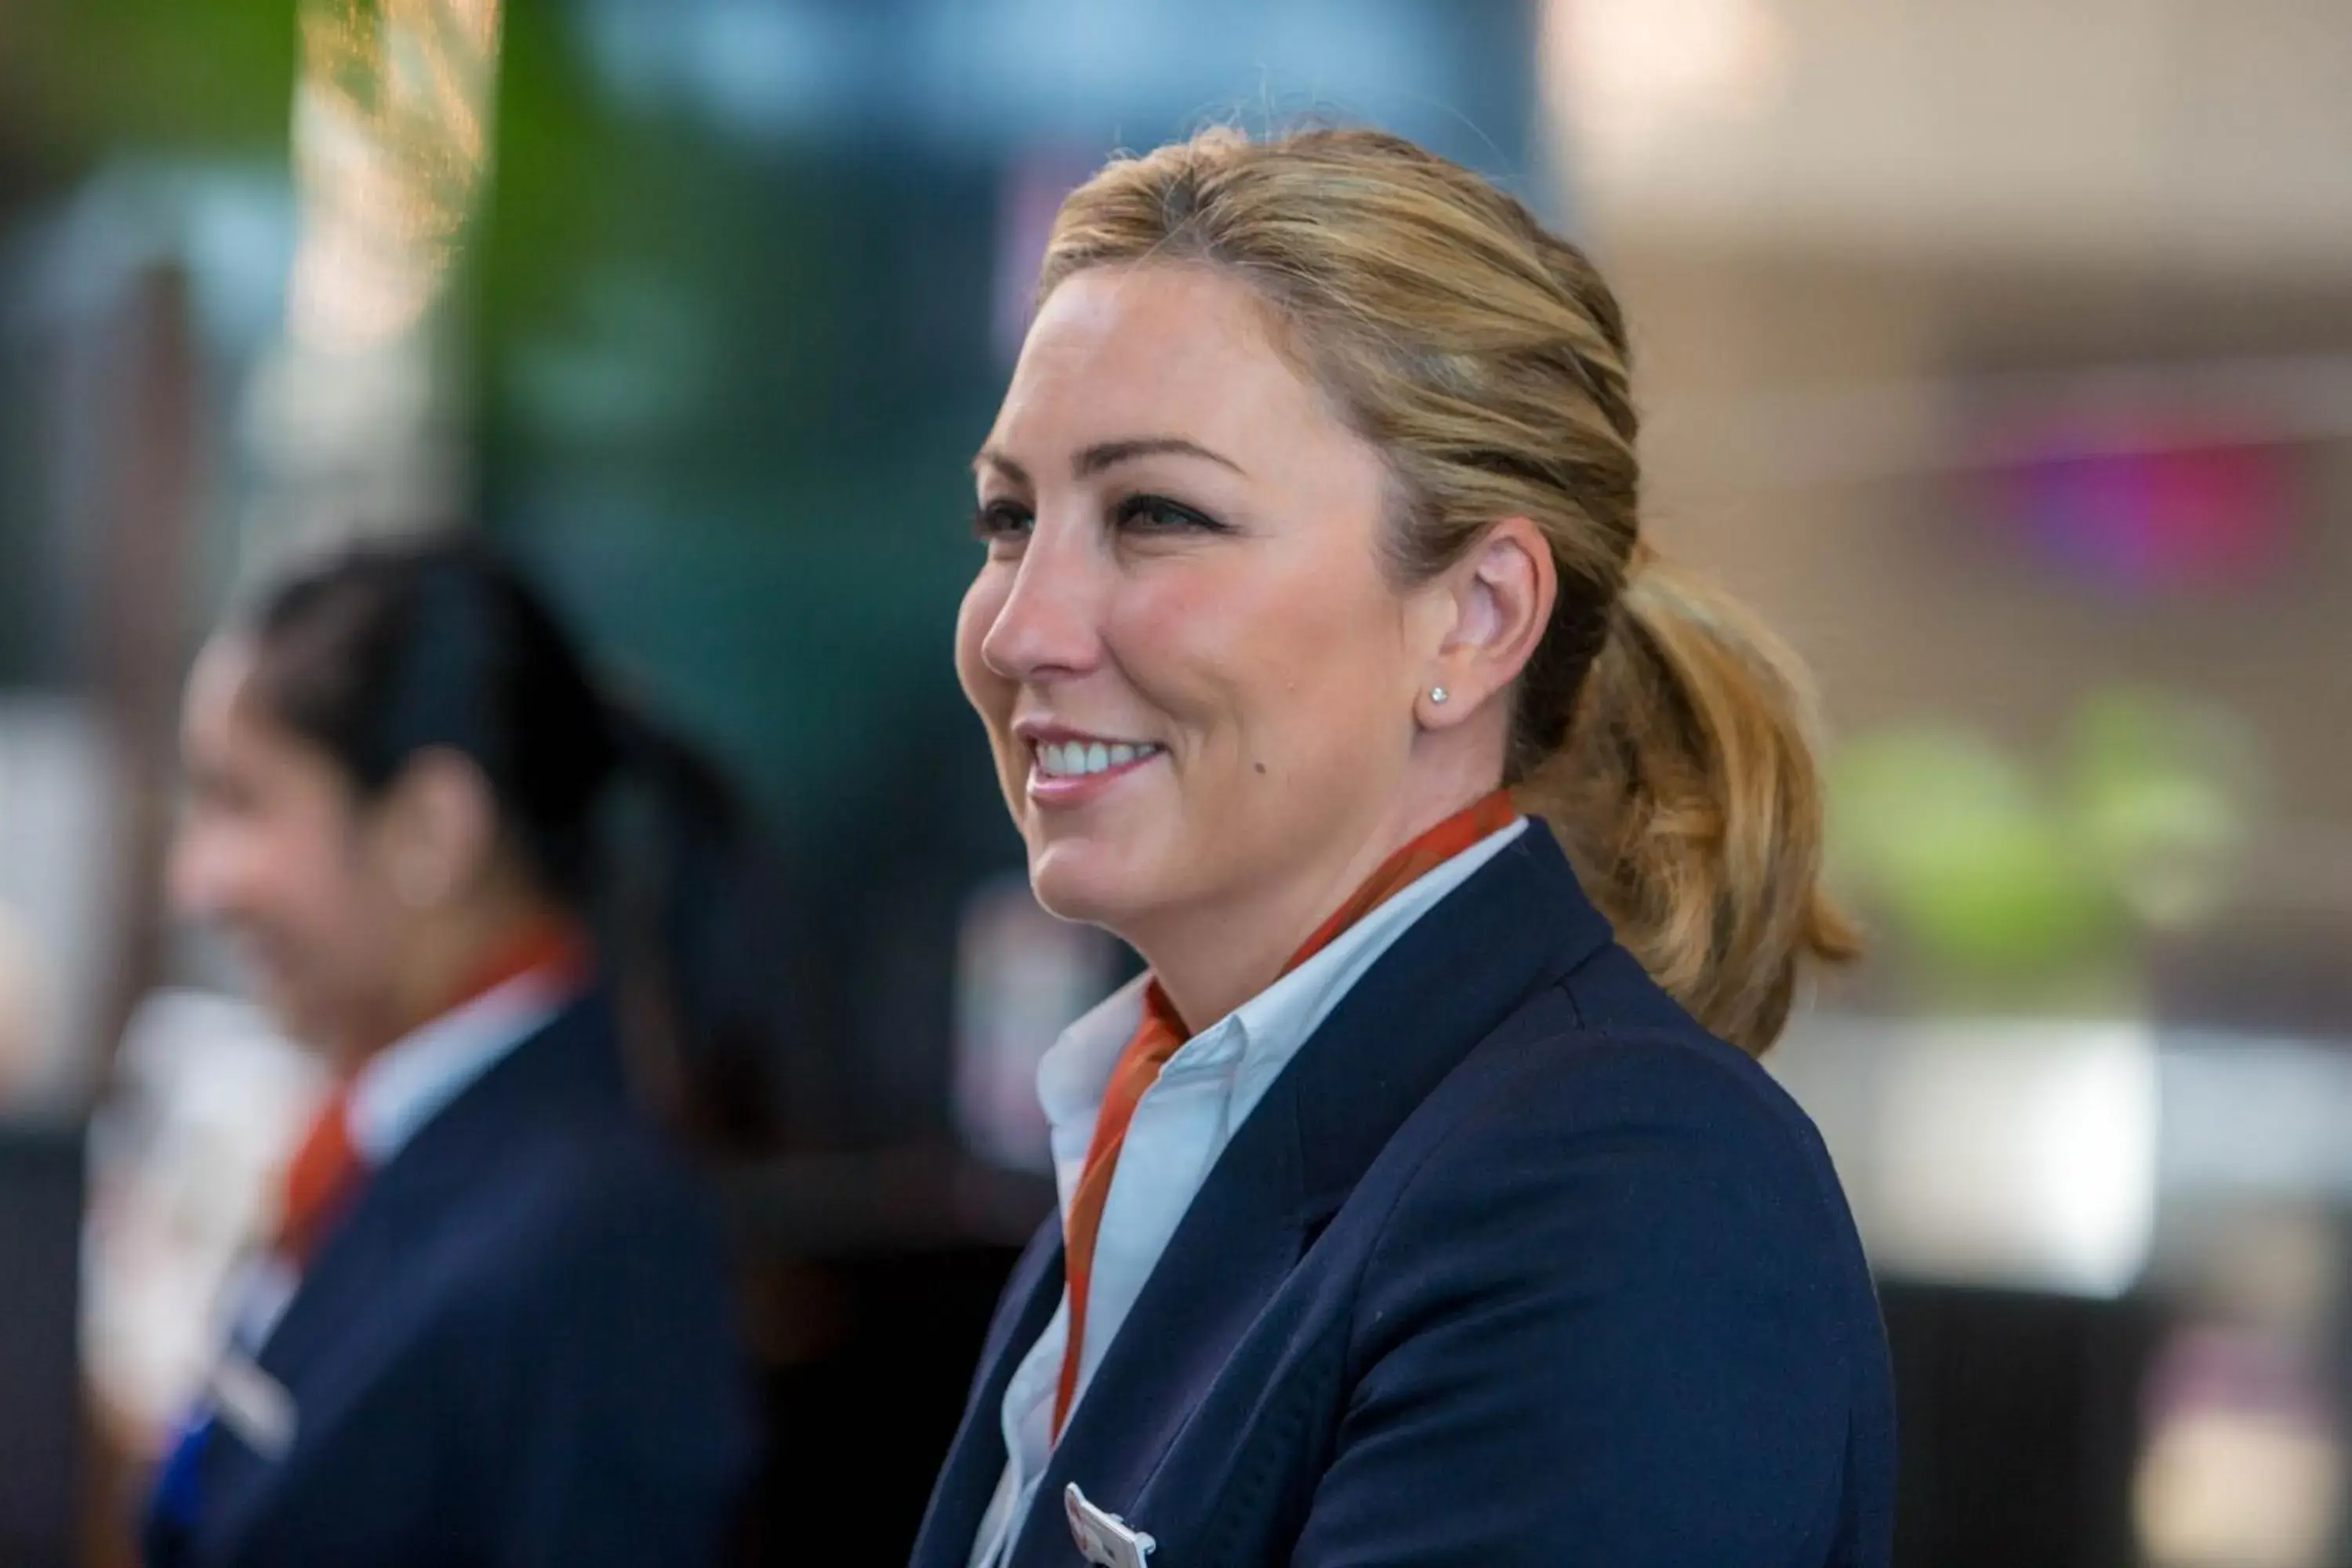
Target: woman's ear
437,828
1501,596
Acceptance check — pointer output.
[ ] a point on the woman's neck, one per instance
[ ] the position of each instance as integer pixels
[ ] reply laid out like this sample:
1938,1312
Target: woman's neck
1211,957
1212,960
445,963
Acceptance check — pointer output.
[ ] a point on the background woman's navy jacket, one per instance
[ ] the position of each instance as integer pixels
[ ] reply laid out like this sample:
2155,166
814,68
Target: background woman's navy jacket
517,1348
1514,1265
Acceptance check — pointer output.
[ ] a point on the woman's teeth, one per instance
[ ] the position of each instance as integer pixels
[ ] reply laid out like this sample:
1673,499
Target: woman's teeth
1076,759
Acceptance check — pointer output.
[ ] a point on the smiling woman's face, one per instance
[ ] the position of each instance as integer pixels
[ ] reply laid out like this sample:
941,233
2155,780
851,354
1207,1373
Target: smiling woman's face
1194,671
275,850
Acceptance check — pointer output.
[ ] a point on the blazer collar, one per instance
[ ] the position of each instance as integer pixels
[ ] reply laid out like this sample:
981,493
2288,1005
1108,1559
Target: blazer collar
1516,925
975,1461
570,1060
1450,981
569,1065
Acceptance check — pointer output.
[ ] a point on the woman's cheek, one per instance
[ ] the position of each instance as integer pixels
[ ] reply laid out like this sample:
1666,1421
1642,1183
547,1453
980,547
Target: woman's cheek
1186,641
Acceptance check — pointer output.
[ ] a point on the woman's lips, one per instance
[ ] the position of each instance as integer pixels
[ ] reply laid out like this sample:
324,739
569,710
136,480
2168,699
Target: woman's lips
1065,769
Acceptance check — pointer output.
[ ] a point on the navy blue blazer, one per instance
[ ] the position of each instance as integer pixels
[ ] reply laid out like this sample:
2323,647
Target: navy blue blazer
1514,1265
517,1348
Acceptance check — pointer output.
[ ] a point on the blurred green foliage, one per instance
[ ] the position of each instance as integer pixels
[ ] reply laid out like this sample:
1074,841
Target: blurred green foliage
1992,873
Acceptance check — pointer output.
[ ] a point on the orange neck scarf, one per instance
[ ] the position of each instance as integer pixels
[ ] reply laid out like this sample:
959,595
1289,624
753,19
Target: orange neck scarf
1160,1034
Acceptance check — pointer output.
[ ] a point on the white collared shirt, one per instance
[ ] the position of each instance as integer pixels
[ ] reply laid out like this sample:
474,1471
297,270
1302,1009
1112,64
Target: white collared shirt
1182,1124
406,1084
397,1091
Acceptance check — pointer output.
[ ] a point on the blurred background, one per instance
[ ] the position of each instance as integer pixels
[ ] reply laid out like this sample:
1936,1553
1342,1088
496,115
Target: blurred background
2000,353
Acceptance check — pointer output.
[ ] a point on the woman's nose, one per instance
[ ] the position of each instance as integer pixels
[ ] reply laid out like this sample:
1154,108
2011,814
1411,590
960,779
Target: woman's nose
1049,622
195,877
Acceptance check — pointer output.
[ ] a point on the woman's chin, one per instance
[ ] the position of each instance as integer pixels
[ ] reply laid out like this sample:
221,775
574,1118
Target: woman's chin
1077,882
296,1017
300,1011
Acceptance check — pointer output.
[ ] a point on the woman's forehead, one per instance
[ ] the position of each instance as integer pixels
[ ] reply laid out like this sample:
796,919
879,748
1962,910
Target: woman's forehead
1157,352
218,681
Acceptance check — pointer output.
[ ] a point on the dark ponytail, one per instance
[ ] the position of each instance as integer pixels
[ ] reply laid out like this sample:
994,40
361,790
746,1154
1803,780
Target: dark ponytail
389,648
689,898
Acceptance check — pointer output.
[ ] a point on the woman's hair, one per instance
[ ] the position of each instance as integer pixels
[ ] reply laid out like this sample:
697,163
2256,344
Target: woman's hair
1659,730
391,649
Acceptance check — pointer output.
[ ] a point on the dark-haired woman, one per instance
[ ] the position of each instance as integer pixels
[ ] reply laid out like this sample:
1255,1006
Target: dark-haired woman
494,1326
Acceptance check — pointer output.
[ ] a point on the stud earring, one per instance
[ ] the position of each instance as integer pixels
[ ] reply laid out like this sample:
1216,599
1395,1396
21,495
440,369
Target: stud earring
1437,694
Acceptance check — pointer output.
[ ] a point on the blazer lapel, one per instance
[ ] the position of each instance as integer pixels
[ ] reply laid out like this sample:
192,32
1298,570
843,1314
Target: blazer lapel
975,1461
570,1059
1243,1234
1447,983
343,1301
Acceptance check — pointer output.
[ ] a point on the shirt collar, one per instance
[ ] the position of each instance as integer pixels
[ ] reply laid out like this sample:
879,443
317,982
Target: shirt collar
406,1084
1255,1041
1279,1018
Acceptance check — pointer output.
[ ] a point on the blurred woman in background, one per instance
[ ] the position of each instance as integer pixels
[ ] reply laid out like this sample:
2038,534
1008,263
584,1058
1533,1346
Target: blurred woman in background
495,1325
1424,1203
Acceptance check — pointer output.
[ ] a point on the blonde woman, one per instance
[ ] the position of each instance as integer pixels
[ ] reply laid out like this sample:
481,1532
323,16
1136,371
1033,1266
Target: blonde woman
1424,1203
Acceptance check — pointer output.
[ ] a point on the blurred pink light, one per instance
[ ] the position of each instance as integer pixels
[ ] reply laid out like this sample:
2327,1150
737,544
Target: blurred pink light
2174,507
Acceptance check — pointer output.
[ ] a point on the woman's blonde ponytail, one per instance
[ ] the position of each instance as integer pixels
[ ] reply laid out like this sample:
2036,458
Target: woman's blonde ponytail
1688,799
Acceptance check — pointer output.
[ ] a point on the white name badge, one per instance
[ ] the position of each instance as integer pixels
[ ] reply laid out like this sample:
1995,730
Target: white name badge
1103,1537
253,1405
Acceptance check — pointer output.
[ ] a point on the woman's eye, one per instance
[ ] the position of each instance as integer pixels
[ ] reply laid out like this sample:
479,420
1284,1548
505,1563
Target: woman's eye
1000,519
1157,514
